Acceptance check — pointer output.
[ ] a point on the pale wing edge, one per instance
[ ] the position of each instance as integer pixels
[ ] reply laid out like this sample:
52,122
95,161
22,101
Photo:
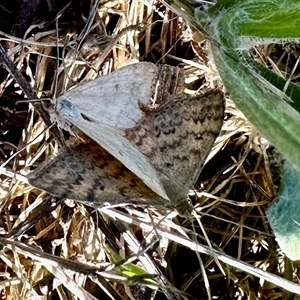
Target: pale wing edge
111,140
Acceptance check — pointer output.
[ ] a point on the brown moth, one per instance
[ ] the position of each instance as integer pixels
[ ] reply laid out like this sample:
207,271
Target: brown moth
134,152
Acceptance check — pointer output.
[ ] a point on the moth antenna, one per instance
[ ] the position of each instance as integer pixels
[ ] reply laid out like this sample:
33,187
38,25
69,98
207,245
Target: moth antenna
33,100
48,107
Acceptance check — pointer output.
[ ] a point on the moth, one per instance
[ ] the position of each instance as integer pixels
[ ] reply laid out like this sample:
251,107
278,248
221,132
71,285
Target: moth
144,140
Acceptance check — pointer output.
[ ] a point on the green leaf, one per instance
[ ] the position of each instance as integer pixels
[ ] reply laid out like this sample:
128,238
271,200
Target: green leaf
225,4
271,20
292,90
262,105
130,270
247,23
284,215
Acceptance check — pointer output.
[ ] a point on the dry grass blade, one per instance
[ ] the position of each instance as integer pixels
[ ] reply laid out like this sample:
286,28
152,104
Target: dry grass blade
207,250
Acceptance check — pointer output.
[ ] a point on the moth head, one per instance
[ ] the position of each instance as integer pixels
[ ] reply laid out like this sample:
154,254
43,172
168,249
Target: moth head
49,105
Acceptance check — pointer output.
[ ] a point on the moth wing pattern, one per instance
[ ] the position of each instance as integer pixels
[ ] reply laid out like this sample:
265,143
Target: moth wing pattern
180,135
111,140
115,99
89,173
